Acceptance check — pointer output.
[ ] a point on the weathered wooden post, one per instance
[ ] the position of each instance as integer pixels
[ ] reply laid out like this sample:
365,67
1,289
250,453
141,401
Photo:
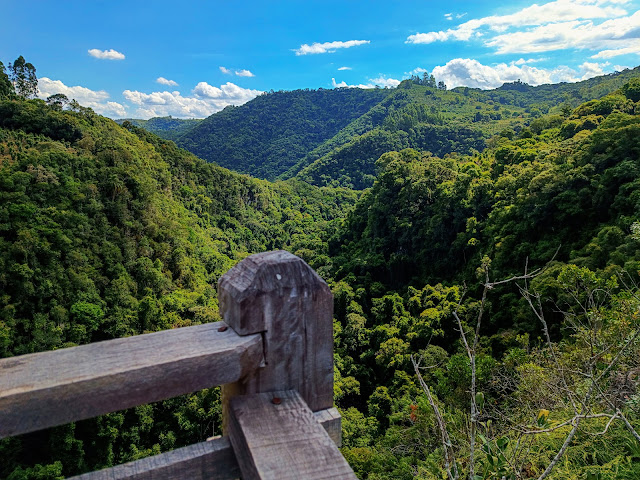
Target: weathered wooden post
268,414
279,295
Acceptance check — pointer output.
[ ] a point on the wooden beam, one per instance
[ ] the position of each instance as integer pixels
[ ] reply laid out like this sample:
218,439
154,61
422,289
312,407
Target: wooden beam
276,436
211,460
45,389
279,295
331,420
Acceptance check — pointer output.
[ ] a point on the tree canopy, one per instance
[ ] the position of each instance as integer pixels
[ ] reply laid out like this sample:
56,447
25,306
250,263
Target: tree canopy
107,230
23,76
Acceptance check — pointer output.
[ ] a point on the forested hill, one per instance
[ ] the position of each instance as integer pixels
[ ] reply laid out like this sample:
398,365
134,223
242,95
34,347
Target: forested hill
410,262
272,132
334,137
108,232
168,128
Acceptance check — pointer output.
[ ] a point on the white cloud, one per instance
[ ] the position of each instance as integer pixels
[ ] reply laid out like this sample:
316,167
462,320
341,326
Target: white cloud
98,100
522,61
620,68
417,71
435,36
611,34
244,73
165,81
560,24
205,100
327,47
106,54
590,70
239,73
344,68
616,52
385,82
471,73
449,16
373,83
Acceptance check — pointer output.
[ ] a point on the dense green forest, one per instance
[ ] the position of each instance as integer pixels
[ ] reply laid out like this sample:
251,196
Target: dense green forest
108,232
269,134
563,191
486,295
168,128
334,137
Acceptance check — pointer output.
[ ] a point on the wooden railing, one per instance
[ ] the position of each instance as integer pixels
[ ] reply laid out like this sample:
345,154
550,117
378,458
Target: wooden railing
272,354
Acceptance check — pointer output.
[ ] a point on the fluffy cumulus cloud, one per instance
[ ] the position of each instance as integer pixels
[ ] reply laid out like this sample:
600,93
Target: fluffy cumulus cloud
600,25
381,81
98,100
204,100
633,48
244,73
239,73
106,54
522,61
166,81
327,47
471,73
612,35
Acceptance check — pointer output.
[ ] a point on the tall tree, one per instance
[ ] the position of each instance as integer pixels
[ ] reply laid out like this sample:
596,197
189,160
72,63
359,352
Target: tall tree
23,76
58,100
6,88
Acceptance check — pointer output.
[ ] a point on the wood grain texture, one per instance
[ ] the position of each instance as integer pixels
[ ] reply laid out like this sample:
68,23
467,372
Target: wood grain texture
211,460
45,389
331,420
283,441
278,294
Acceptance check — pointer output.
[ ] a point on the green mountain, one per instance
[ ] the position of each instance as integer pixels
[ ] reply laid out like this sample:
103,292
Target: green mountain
168,128
272,132
565,191
108,232
441,122
334,137
529,246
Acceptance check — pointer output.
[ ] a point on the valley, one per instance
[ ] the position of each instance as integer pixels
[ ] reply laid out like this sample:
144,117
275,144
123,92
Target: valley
413,203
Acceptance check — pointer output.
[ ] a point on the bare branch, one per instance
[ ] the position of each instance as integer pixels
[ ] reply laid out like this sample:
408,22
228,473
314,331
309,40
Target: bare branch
563,449
571,421
449,460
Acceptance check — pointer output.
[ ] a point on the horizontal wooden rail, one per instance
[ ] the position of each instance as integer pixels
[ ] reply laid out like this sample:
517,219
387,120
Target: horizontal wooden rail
276,437
46,389
210,460
273,356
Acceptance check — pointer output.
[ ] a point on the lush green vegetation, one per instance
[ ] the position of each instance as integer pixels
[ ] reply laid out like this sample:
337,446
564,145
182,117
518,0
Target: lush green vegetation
108,231
105,233
563,189
334,137
268,135
168,128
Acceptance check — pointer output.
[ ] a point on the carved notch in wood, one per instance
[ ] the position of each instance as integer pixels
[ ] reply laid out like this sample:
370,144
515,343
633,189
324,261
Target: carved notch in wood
279,295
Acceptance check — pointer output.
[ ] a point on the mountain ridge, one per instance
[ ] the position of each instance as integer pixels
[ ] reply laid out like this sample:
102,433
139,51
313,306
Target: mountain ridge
247,139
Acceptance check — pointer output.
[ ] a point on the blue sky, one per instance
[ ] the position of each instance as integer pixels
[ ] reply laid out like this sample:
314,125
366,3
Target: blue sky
192,58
